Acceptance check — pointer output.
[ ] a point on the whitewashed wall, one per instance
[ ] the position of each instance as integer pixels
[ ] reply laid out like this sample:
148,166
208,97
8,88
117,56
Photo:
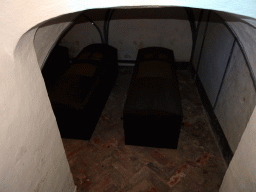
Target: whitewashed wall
26,108
236,100
200,38
214,57
232,96
128,32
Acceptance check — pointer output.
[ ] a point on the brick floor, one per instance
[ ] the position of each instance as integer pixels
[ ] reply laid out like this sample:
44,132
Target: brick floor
159,157
106,164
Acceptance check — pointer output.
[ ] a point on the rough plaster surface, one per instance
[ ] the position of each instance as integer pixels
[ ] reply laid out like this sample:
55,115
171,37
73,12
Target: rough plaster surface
43,41
25,109
246,35
216,50
240,176
32,155
199,40
196,15
128,36
80,36
237,99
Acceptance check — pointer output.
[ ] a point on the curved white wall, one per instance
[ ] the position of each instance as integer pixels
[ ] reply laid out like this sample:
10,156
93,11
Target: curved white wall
226,75
225,66
32,156
43,42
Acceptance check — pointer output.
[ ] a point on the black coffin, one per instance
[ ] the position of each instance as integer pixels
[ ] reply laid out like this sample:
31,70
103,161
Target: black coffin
79,95
56,64
152,113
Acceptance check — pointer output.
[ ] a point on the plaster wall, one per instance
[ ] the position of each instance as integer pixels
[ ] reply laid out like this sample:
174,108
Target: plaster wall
196,13
200,38
28,120
32,154
246,36
80,36
43,42
236,101
214,57
240,176
130,33
230,89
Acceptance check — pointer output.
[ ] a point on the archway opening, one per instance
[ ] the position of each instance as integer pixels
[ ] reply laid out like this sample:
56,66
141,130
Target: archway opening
207,51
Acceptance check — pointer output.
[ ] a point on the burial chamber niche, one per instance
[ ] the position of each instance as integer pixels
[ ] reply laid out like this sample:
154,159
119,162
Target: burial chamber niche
204,44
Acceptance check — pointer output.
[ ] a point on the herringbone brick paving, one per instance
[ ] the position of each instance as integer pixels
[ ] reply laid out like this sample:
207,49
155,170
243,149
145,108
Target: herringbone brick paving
106,164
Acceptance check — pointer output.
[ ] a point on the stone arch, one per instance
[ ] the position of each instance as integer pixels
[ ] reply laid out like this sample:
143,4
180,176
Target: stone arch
22,71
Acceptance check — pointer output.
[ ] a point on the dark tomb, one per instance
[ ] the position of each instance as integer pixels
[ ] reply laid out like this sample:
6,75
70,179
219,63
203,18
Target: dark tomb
79,95
152,113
